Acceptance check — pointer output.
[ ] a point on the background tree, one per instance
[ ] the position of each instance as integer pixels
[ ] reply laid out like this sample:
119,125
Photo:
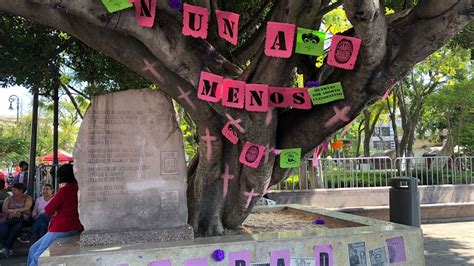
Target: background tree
391,46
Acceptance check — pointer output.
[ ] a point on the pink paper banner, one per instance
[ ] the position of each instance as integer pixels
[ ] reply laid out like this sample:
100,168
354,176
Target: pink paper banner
233,93
279,39
343,52
300,98
252,154
160,263
228,26
229,133
196,262
278,97
323,255
240,258
256,98
145,14
195,21
210,87
280,257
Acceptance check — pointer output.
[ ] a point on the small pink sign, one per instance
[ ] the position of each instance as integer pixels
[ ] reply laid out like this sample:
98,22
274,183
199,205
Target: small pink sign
256,97
279,39
196,262
280,257
323,255
160,263
145,14
210,87
229,133
240,258
252,154
233,93
195,21
300,98
396,249
228,26
343,51
278,97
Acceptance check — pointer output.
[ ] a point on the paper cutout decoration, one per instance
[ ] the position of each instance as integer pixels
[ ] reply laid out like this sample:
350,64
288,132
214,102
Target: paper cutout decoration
326,93
323,147
240,258
357,254
228,26
279,39
278,97
233,93
252,154
280,257
343,51
116,5
160,263
323,255
145,12
378,256
195,21
196,262
310,42
396,249
229,133
210,87
299,98
290,158
256,97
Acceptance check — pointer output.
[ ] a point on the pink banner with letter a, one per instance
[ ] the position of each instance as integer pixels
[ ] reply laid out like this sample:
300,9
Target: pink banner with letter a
279,39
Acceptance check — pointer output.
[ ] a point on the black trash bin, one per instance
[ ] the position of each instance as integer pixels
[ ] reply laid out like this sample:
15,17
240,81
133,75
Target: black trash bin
405,201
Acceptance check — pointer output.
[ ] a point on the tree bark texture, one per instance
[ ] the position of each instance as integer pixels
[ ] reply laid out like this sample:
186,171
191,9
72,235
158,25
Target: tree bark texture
389,49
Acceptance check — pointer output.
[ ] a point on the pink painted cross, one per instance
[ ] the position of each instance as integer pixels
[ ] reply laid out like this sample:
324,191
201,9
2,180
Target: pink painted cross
151,68
236,123
185,96
209,139
226,176
266,187
269,117
250,195
340,115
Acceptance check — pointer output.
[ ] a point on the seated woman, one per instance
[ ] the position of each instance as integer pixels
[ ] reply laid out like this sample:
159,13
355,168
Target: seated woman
17,210
63,211
41,219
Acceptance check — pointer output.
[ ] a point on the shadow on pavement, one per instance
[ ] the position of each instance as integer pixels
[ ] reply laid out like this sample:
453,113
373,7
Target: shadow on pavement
445,251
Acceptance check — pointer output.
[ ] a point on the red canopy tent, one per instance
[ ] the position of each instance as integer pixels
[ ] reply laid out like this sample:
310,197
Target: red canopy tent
63,157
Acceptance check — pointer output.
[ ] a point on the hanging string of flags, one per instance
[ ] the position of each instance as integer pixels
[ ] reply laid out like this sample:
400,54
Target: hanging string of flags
279,42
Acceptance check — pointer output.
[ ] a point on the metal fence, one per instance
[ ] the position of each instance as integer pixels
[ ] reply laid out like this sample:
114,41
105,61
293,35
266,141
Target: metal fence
377,171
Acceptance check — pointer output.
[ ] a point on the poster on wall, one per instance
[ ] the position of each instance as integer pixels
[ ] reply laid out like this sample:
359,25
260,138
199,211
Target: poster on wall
396,249
357,255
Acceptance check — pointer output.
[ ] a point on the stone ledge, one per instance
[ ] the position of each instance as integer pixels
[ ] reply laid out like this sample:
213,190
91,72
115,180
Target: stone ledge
97,238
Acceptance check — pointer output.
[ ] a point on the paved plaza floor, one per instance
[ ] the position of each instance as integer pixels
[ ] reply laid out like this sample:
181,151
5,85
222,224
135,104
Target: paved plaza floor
448,244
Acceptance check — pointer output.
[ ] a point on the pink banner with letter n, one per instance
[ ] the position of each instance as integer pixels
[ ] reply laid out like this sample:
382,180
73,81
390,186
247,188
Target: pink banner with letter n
228,26
145,12
343,51
256,97
210,87
195,21
279,39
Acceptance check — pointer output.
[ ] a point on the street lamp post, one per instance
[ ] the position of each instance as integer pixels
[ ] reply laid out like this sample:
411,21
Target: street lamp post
11,99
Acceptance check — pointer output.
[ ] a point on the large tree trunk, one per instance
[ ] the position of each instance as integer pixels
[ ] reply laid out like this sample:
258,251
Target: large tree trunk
390,47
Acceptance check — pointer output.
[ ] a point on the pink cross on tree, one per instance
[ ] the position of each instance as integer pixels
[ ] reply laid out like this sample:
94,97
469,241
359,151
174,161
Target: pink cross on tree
250,195
340,115
209,139
150,67
185,96
226,176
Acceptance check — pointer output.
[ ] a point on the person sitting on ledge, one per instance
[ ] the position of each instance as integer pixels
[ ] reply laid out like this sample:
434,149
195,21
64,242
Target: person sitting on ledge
63,211
41,219
3,192
17,210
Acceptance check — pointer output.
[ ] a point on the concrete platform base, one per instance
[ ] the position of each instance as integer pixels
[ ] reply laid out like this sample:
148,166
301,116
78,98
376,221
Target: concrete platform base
368,242
96,238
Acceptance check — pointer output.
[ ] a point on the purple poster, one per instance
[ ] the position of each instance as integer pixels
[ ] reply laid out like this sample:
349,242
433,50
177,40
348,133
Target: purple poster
323,255
280,257
240,258
196,262
396,249
160,263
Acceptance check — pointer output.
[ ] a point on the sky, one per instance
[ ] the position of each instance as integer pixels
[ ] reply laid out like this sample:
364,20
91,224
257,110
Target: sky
25,101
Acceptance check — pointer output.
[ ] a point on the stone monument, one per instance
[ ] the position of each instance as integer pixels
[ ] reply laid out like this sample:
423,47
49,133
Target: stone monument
131,170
